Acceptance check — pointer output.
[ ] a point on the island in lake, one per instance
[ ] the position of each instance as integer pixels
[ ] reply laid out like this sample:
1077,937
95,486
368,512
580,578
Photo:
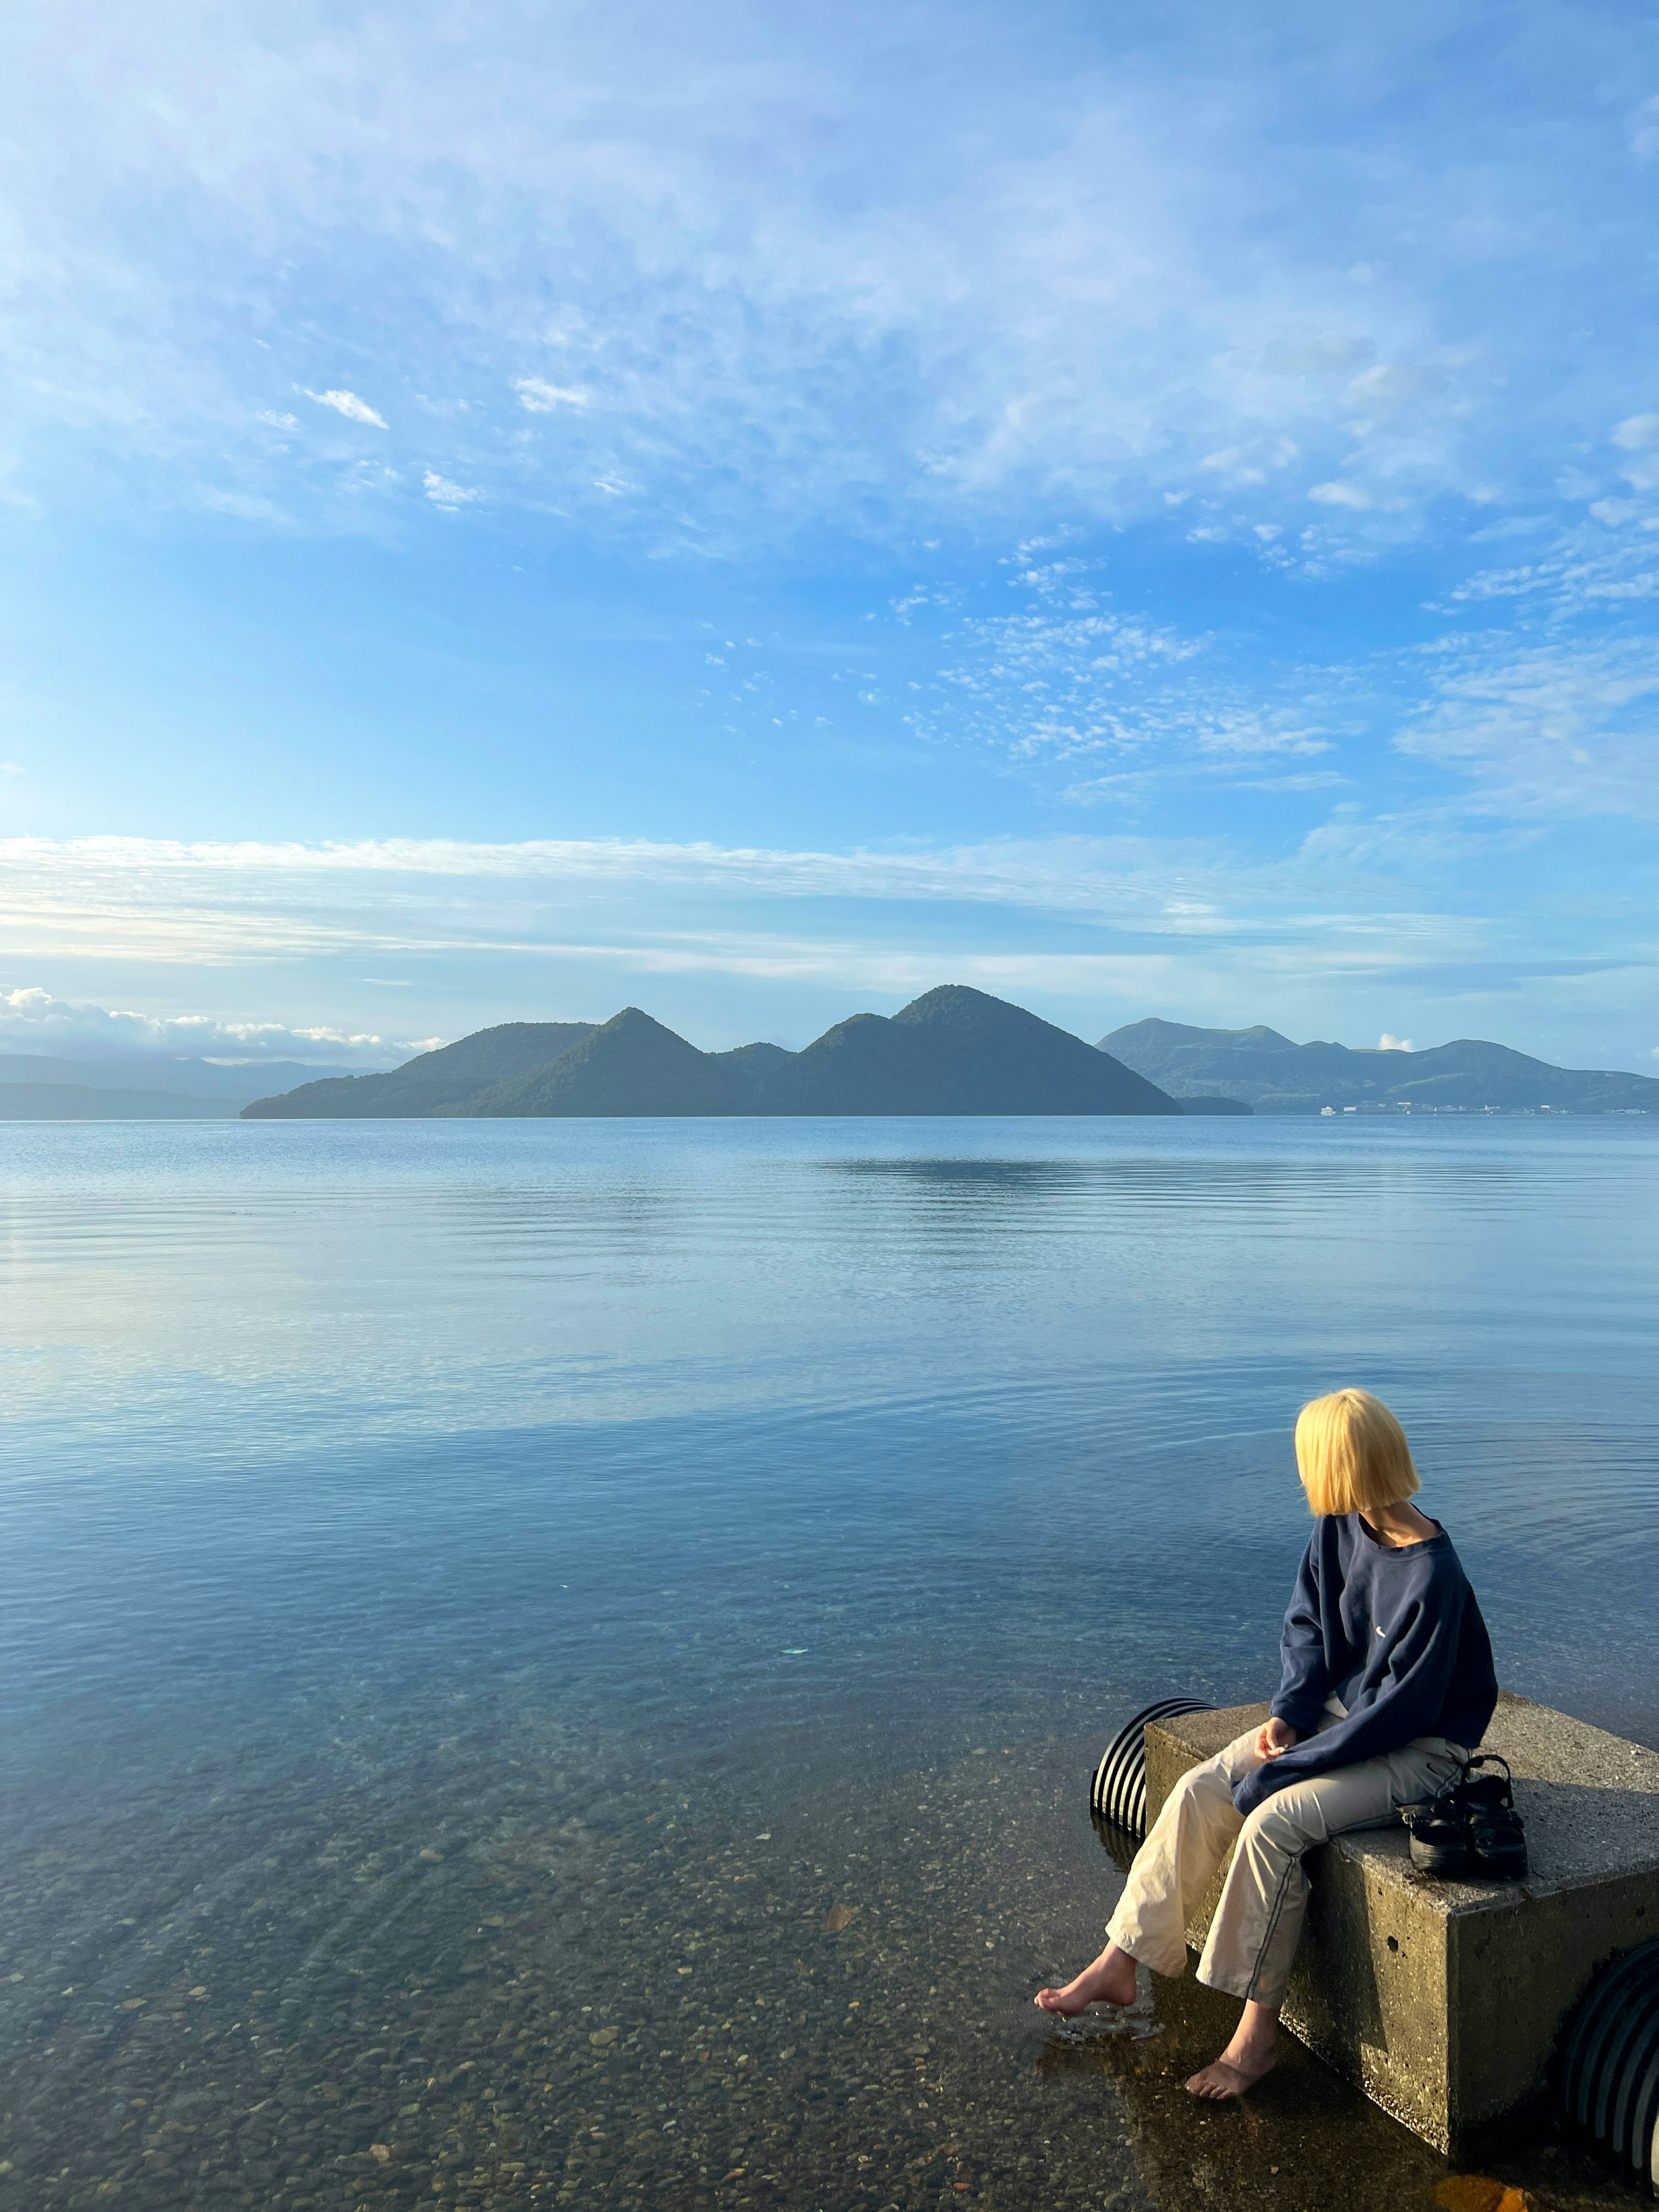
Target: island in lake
952,1051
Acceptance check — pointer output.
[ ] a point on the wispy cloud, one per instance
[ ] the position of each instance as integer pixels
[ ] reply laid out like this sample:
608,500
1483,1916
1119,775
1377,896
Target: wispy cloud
1545,730
1340,494
163,900
1047,282
1067,678
537,397
1311,779
1074,874
348,404
442,493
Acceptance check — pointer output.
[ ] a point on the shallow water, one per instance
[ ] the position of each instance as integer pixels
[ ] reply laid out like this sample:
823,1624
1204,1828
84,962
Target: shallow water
472,1587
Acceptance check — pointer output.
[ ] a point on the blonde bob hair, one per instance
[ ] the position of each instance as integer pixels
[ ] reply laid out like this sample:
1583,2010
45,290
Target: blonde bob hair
1351,1453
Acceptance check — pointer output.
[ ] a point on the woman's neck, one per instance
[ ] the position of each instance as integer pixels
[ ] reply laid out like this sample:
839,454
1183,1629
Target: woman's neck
1396,1525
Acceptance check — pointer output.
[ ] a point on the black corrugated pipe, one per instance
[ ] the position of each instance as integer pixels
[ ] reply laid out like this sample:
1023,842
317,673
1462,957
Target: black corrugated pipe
1607,2082
1118,1792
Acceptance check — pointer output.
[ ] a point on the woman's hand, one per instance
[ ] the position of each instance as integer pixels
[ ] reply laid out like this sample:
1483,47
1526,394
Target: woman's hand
1275,1737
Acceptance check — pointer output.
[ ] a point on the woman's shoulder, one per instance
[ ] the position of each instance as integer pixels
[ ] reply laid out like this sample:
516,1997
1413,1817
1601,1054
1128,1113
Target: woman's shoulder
1435,1565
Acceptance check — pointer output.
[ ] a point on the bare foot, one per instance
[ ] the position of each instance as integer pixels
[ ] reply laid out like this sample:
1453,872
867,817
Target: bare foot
1253,2052
1110,1980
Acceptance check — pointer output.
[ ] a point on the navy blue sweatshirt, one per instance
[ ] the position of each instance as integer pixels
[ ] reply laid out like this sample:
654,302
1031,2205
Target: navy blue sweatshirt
1396,1635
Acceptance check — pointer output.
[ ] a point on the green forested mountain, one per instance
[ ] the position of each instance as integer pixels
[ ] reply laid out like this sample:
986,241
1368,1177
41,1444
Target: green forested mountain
1274,1075
631,1065
956,1051
952,1051
434,1079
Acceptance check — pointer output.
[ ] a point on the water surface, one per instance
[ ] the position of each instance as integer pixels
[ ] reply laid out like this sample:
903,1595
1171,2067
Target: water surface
472,1587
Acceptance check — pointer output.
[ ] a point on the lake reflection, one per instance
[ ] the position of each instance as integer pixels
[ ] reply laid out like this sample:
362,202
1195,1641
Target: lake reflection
457,1575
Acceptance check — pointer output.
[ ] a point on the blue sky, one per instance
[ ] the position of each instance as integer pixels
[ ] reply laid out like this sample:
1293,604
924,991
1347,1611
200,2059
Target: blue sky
508,512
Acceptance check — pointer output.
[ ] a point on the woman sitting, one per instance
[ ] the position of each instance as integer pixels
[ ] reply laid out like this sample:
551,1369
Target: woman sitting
1387,1684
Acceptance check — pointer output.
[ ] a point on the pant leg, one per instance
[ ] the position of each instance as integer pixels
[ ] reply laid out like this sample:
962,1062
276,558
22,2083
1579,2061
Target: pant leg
1177,1862
1254,1935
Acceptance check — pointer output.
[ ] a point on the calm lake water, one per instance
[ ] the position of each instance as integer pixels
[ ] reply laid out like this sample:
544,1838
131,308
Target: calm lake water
557,1663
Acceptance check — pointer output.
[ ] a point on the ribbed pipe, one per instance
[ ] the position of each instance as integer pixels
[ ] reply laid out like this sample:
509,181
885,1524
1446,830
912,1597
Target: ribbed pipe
1118,1792
1607,2082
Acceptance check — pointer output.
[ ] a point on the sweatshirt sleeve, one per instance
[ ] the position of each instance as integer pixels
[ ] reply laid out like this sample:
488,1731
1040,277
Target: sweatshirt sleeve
1305,1678
1402,1695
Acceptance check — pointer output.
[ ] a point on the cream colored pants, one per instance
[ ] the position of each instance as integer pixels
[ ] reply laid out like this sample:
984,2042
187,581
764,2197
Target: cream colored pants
1253,1937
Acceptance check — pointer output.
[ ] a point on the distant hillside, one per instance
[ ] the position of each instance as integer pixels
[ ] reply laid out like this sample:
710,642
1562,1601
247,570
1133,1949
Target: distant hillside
1274,1075
955,1051
952,1051
429,1081
631,1065
83,1101
140,1073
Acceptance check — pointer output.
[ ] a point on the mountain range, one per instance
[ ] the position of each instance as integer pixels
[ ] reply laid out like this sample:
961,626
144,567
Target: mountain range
38,1087
951,1051
1272,1075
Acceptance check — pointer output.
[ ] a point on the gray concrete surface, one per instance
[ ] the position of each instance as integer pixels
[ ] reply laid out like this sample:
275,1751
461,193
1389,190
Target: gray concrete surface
1442,2000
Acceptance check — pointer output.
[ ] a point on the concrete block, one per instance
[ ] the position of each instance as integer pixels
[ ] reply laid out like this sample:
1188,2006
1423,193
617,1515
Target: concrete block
1442,2000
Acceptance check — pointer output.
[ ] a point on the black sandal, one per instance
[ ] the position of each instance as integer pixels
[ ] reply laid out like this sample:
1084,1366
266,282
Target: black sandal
1497,1840
1440,1838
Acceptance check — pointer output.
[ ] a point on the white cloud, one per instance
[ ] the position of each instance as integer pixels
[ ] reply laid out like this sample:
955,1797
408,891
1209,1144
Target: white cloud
1066,680
1243,466
154,898
442,493
1387,1042
1588,567
1248,732
1546,730
1046,284
282,421
1340,494
33,1020
542,398
348,404
1321,779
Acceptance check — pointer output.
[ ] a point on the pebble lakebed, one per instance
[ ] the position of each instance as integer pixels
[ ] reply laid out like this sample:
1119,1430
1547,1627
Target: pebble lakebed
669,1996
